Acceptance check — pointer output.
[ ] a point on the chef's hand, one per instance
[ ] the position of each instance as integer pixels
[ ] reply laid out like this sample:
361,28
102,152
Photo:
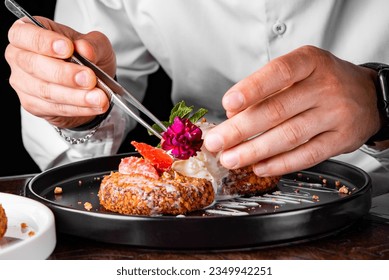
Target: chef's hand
299,109
61,92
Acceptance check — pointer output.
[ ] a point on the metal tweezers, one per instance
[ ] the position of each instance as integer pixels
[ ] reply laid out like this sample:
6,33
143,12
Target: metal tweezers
115,92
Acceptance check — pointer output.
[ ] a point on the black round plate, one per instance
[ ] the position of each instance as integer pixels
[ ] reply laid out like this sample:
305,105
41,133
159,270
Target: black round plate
305,205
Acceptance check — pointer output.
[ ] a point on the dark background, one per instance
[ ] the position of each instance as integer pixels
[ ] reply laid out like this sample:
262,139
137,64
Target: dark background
14,158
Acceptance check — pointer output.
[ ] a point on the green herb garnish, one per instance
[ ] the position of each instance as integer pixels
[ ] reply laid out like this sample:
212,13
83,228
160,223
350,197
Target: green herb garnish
184,112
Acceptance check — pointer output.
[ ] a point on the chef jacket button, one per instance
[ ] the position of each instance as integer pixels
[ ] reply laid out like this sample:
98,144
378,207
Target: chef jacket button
279,28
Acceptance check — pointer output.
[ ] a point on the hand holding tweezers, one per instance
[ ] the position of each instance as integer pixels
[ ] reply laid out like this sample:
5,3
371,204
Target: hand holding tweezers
115,92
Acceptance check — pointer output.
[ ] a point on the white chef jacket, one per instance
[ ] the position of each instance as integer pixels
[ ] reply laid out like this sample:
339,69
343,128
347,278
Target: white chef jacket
206,46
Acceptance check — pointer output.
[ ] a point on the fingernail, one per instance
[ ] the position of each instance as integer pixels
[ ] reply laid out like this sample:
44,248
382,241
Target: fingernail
229,160
260,170
233,100
93,98
213,142
82,78
60,47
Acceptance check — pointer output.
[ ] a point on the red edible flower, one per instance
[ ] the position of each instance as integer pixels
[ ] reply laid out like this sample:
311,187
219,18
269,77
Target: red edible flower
182,138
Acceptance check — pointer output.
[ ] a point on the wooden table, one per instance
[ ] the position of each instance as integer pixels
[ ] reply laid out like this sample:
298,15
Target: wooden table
368,238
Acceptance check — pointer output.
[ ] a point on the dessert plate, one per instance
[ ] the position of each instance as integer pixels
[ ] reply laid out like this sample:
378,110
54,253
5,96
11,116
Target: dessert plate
30,229
305,205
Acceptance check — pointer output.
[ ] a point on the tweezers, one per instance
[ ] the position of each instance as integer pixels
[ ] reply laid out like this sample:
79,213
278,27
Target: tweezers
117,94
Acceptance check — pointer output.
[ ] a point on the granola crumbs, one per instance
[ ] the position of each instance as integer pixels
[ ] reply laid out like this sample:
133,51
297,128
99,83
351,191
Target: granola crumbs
58,190
23,227
88,206
344,190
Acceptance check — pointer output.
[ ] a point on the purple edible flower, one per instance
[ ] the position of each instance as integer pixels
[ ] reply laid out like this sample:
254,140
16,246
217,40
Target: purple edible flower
182,138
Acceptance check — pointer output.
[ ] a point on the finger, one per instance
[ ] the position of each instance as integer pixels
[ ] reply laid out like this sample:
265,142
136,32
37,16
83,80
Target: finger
43,108
92,45
262,116
96,47
50,69
35,39
284,137
60,115
278,74
92,101
307,155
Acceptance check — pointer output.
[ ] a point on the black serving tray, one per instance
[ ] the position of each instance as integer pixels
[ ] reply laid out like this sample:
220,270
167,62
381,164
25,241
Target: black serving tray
302,208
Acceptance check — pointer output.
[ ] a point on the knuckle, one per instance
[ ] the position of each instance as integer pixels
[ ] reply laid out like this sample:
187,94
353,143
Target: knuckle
345,118
9,54
274,110
254,150
59,74
256,153
28,105
63,73
282,68
12,81
60,109
44,91
333,84
311,156
280,165
309,49
24,60
254,85
39,42
28,62
292,134
69,110
286,165
18,59
13,33
236,131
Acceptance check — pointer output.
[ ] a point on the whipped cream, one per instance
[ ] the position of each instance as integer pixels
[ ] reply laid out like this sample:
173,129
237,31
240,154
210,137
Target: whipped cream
204,165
